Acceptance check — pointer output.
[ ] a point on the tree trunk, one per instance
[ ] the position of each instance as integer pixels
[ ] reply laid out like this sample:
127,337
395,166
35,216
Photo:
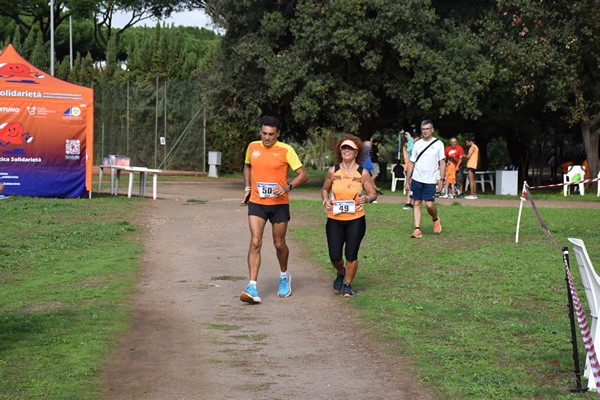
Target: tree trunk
590,131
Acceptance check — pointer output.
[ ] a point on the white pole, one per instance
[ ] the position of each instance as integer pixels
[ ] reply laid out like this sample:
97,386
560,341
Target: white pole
165,129
103,153
52,37
127,145
399,145
520,210
156,125
204,139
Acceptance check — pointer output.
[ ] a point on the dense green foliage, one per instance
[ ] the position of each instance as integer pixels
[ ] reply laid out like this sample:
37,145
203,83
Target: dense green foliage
523,71
100,15
499,68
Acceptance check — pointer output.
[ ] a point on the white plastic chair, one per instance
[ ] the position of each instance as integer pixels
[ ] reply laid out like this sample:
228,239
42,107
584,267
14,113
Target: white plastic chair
591,284
568,177
396,178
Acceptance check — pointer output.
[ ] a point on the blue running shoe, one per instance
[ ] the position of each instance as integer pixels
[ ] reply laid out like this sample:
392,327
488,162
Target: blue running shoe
285,286
347,290
250,295
339,281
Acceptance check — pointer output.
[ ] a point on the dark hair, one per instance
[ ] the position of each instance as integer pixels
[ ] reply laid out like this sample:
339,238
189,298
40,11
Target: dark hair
270,120
471,137
362,151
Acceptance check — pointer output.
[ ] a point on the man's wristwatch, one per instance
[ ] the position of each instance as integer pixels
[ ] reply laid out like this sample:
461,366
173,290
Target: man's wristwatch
290,187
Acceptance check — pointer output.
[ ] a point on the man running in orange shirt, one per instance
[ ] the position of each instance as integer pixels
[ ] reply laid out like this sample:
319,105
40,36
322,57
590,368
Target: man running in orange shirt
265,173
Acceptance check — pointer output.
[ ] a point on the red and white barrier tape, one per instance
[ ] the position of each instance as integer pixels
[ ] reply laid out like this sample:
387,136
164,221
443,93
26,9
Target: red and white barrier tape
581,318
564,184
588,341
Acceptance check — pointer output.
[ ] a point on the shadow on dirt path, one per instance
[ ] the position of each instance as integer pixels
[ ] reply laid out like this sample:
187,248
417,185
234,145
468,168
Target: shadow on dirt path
192,338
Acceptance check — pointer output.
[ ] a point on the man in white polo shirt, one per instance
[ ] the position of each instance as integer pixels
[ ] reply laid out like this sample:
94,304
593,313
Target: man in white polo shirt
426,166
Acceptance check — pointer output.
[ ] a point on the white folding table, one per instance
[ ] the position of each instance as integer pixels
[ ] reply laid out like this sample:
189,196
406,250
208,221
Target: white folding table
482,177
115,176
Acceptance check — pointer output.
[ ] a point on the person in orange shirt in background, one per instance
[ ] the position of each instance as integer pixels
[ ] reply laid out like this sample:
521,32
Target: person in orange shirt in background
565,166
587,174
344,201
454,150
472,161
265,174
450,178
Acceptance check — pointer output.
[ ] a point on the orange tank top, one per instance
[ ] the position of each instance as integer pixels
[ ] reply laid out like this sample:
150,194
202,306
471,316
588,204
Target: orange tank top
474,159
345,189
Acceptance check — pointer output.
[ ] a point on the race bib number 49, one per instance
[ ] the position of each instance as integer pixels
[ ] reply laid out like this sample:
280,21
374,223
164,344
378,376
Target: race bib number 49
266,189
344,206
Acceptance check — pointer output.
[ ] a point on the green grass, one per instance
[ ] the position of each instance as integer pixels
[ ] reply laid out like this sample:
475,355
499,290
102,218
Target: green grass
225,327
65,273
195,201
483,317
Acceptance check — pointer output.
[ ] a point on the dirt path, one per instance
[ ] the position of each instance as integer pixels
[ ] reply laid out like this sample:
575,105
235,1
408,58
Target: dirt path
192,338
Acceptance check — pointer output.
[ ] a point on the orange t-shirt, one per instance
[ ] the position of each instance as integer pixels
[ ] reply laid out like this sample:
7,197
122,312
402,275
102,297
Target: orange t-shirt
269,167
474,159
347,187
451,173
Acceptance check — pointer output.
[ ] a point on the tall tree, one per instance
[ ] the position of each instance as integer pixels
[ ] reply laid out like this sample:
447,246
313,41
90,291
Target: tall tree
16,41
111,59
345,64
40,55
88,72
558,44
27,13
63,69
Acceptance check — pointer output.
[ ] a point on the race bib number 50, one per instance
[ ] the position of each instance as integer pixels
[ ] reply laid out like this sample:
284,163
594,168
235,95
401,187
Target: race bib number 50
266,189
344,206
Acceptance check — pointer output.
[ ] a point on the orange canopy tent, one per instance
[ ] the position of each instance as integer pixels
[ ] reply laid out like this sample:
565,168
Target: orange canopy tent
46,132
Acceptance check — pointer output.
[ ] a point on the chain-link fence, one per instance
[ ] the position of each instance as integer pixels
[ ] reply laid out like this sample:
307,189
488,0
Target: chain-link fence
157,124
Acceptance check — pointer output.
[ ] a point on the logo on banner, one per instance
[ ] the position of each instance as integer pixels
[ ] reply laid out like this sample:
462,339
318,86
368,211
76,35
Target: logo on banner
13,133
72,149
72,112
40,112
10,110
18,72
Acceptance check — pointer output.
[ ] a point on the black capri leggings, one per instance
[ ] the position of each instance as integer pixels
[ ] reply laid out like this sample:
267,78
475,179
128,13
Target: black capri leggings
349,232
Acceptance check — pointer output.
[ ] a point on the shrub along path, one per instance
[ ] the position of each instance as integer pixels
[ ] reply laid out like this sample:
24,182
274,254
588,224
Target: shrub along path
192,338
